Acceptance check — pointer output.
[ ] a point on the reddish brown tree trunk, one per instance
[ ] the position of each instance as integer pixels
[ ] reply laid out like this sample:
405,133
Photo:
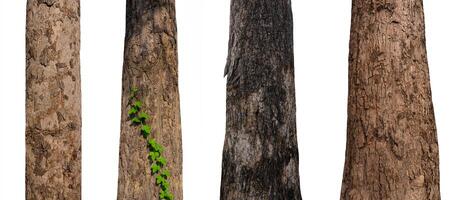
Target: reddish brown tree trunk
392,150
150,64
53,100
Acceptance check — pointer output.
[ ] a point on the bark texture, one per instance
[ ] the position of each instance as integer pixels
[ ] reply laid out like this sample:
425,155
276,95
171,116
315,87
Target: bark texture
260,156
392,149
53,100
150,64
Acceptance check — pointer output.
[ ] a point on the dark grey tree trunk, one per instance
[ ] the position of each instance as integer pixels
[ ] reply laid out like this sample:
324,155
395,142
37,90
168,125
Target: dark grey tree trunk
150,64
53,100
392,149
260,157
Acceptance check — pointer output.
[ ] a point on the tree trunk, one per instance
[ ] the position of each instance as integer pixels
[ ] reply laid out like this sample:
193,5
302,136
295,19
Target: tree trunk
260,157
392,149
150,64
53,100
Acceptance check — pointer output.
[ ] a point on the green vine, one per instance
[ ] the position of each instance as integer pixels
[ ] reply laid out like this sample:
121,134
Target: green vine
155,155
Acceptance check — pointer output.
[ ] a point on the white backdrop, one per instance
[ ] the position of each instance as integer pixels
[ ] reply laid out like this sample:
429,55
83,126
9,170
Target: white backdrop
321,50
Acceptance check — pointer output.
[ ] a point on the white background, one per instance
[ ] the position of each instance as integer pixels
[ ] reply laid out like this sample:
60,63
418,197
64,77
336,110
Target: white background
321,51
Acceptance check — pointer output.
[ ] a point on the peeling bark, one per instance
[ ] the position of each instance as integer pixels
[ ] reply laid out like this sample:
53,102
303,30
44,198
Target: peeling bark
53,100
260,156
392,149
150,64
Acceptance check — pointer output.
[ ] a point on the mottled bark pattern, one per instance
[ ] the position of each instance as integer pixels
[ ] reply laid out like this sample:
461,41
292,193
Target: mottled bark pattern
392,149
53,100
150,64
260,157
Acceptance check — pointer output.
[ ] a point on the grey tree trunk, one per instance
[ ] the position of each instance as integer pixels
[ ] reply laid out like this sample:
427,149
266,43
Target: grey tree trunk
150,64
392,149
53,100
260,156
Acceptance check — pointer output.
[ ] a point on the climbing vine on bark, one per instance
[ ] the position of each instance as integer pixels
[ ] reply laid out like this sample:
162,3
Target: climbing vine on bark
155,155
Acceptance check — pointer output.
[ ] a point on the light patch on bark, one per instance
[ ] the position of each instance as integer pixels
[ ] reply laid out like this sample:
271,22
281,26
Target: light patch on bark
246,150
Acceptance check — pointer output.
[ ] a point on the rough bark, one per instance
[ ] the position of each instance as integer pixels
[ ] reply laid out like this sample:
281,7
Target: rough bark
53,100
392,149
260,156
150,64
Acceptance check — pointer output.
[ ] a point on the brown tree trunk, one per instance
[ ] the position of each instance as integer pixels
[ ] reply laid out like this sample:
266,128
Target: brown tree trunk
260,157
150,64
392,149
53,100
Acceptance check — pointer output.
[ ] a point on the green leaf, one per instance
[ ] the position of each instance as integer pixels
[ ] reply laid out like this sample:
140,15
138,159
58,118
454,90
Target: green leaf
160,179
165,174
137,105
166,194
159,148
143,116
153,156
166,197
169,196
134,90
155,147
136,120
155,168
152,143
162,194
145,130
161,160
165,185
132,111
